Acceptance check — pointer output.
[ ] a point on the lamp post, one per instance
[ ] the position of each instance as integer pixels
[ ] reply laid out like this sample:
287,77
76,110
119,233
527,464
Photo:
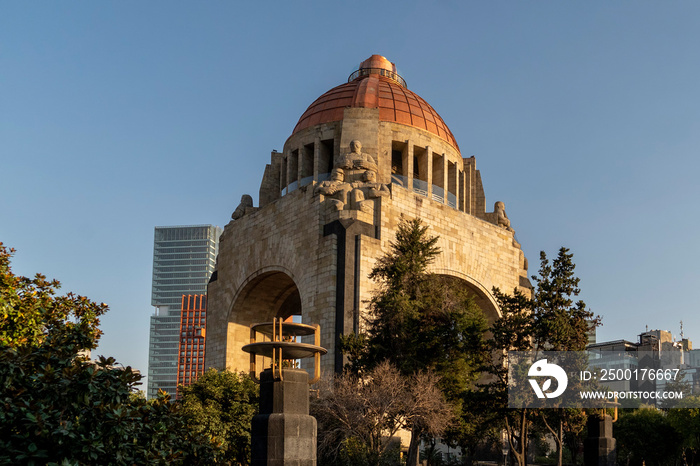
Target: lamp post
284,433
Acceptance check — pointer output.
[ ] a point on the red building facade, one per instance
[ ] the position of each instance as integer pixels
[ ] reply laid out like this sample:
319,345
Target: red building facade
193,318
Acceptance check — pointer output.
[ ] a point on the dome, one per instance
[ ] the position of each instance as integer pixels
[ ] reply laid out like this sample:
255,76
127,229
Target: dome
376,84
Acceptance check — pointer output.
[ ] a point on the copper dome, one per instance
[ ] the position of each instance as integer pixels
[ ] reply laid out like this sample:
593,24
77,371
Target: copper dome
377,85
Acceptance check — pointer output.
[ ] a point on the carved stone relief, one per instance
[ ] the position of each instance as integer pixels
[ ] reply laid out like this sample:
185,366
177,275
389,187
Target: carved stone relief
353,184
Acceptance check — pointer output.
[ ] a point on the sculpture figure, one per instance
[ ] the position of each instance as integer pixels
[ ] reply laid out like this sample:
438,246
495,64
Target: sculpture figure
356,159
246,202
501,218
363,192
336,189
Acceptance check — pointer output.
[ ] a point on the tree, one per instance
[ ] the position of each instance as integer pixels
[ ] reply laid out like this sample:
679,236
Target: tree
685,419
512,331
645,436
57,406
221,405
359,416
551,321
561,325
420,321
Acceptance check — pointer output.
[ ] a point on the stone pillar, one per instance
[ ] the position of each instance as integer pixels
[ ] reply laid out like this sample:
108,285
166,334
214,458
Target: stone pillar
317,156
300,163
283,433
458,191
429,175
445,179
409,165
599,448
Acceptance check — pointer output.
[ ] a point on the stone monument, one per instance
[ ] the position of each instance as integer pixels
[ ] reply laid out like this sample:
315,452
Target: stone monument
364,155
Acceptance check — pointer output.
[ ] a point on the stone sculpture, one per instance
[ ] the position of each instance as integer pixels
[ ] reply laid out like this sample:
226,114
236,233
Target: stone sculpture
336,189
246,203
501,218
343,191
363,193
356,159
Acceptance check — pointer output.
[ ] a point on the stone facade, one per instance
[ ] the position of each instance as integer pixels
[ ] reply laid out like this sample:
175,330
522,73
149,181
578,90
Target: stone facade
329,206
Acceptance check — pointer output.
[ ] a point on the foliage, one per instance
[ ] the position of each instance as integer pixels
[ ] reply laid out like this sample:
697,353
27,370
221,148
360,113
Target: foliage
420,321
221,405
359,416
59,408
560,323
646,436
550,321
685,419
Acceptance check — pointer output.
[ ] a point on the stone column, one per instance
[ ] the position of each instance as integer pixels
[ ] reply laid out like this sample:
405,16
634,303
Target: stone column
283,433
599,448
409,166
445,179
317,156
458,191
429,158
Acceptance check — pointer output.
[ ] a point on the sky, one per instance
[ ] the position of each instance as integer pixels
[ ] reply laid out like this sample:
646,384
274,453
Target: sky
584,118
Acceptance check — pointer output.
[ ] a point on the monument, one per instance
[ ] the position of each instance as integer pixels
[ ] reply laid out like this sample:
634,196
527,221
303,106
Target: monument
364,155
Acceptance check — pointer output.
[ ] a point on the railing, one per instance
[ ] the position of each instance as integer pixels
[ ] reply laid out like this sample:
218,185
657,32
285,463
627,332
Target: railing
306,180
399,180
451,200
438,194
421,187
379,71
294,185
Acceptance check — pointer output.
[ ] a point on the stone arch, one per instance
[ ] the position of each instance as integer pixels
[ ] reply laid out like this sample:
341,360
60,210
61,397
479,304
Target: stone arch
268,293
482,296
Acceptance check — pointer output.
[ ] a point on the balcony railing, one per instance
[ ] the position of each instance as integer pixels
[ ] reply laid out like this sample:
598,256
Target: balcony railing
380,71
421,187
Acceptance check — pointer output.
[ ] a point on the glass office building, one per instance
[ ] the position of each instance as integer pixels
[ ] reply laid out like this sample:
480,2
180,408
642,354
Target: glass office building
183,261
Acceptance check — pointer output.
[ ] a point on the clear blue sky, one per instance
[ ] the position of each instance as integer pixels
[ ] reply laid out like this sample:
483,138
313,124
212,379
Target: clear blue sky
584,118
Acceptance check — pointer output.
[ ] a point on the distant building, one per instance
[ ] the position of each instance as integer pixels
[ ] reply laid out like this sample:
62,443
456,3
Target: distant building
193,319
183,261
655,349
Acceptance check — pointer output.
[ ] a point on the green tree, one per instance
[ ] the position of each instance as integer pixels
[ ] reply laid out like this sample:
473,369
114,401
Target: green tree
550,321
561,324
57,407
646,436
420,321
512,331
685,418
221,405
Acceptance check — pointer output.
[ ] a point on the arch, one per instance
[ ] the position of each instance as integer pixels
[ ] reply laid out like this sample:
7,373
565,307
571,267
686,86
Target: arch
269,292
482,297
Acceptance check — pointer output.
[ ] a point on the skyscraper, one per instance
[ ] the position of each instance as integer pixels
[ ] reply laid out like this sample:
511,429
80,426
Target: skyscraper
183,261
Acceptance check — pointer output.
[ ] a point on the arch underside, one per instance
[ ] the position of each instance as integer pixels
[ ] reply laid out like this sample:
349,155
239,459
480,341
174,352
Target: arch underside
266,296
482,297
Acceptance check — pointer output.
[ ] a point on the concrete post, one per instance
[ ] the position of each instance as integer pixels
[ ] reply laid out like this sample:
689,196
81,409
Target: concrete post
599,448
283,433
